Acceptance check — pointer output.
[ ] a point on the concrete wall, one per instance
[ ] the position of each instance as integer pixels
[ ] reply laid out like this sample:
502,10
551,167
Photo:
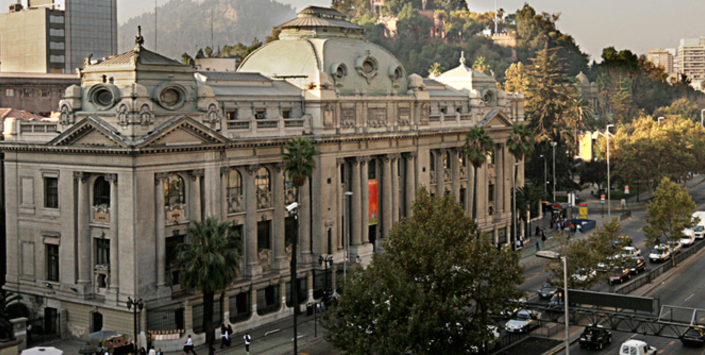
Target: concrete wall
24,41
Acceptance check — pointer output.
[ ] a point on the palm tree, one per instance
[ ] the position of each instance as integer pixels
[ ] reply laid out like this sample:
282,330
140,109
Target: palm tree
299,165
209,262
579,111
436,70
520,143
477,144
529,195
6,299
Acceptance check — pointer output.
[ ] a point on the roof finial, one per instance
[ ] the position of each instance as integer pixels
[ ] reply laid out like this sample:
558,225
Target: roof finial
462,58
139,40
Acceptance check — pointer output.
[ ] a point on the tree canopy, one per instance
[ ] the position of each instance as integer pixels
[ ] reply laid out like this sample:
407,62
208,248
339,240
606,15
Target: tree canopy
434,290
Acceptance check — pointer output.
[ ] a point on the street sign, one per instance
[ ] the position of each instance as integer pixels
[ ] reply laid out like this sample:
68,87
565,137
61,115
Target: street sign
626,189
602,198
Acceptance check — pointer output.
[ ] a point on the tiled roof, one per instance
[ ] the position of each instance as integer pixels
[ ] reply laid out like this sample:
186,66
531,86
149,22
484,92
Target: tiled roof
21,114
233,76
144,56
319,22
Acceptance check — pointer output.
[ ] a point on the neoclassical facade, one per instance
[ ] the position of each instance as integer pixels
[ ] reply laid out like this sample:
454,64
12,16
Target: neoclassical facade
97,203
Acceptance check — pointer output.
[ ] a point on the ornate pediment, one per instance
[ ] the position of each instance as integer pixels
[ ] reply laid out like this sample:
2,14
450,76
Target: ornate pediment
496,119
92,132
182,130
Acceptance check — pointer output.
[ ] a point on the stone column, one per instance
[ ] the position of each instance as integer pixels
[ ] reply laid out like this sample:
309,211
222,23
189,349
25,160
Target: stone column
84,238
280,258
356,222
364,199
455,172
499,182
250,239
440,173
253,299
395,187
114,243
469,192
224,176
481,193
386,195
159,216
410,183
196,197
305,221
508,178
341,211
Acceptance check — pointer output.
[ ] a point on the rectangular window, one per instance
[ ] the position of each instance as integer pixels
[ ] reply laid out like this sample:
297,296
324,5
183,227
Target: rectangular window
56,32
444,110
102,252
172,244
57,59
10,92
490,193
372,169
57,45
52,262
51,192
260,114
44,93
231,115
263,235
27,92
286,113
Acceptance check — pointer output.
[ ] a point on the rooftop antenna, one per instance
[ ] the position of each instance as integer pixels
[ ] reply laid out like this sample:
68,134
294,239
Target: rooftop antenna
155,25
496,20
212,16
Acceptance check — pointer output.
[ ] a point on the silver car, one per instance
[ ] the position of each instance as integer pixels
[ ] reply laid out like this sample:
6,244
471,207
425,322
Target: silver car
525,320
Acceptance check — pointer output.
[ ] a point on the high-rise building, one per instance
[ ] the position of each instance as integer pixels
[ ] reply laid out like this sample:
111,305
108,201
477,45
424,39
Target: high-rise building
690,59
661,57
55,36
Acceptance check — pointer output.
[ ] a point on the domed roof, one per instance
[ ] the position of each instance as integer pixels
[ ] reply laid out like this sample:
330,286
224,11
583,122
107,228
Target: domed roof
320,39
582,79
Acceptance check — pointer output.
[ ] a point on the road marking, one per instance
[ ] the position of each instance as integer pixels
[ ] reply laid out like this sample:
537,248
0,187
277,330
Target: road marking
660,351
633,335
672,342
702,319
689,297
532,277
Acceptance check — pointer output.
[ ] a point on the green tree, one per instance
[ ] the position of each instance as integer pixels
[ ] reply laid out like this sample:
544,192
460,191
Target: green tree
299,164
434,290
682,107
481,66
187,60
520,142
436,69
7,298
515,78
209,262
477,145
668,214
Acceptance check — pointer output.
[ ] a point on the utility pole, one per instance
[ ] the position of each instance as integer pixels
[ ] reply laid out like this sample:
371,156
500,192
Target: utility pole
155,25
553,144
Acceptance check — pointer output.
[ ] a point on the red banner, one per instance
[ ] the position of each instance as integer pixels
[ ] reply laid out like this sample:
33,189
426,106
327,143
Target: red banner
373,188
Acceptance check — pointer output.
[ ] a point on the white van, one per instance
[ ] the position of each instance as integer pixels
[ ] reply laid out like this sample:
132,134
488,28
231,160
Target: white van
699,229
636,347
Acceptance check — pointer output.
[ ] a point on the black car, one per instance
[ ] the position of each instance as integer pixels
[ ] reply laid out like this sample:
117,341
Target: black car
693,336
636,264
547,291
595,337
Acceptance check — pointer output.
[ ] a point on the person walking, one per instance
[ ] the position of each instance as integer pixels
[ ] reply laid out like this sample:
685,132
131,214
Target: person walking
152,351
224,336
538,246
188,346
159,351
247,340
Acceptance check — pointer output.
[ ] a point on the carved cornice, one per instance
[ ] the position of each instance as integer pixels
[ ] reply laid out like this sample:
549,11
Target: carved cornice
411,155
80,176
339,161
111,178
363,159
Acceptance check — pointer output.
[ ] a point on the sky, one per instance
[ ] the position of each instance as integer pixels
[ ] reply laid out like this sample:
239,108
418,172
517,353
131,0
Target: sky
637,25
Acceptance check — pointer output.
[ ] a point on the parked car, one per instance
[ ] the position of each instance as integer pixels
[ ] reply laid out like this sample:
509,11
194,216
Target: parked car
583,275
524,321
619,274
547,290
636,347
693,336
595,337
698,232
636,264
631,251
623,240
513,307
675,247
688,238
659,253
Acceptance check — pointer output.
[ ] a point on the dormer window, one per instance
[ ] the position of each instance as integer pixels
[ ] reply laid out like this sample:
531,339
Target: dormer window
444,110
286,113
368,66
231,114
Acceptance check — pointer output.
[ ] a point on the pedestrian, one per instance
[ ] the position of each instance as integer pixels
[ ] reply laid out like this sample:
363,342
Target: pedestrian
538,230
152,351
143,351
159,351
538,246
358,259
211,349
224,336
543,237
578,228
518,247
188,346
247,340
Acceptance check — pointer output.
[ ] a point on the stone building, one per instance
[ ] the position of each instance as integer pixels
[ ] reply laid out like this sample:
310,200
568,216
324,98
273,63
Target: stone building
38,93
98,203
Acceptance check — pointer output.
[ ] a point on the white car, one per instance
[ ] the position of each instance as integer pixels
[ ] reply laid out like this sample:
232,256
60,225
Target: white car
583,275
524,321
631,251
660,252
688,238
636,347
698,232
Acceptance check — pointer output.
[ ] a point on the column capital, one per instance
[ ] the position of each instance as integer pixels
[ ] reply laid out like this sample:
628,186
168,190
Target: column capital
111,178
278,167
252,169
443,151
196,173
411,155
160,177
363,159
386,158
80,176
355,161
224,170
339,161
395,156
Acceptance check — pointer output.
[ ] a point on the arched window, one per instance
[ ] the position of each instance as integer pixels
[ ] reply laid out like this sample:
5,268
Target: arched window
234,183
174,190
433,161
262,179
101,192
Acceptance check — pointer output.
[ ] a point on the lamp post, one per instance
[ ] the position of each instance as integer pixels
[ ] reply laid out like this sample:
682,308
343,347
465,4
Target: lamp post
553,144
135,307
609,188
565,304
545,178
514,203
346,237
701,117
663,118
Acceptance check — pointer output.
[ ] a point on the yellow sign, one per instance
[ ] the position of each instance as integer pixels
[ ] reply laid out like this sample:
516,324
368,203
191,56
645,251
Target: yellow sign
583,212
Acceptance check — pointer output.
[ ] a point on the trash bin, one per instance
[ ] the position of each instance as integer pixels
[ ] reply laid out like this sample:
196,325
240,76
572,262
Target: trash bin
309,309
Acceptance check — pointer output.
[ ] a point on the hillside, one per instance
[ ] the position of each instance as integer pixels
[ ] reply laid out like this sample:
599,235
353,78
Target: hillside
185,25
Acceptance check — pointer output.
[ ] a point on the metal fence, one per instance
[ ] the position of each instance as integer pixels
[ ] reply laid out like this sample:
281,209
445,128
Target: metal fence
548,329
510,338
165,319
658,271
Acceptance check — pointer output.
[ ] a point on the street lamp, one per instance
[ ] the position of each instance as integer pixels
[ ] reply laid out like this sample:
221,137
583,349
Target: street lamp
135,307
554,255
545,178
609,187
663,118
346,237
514,196
553,144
